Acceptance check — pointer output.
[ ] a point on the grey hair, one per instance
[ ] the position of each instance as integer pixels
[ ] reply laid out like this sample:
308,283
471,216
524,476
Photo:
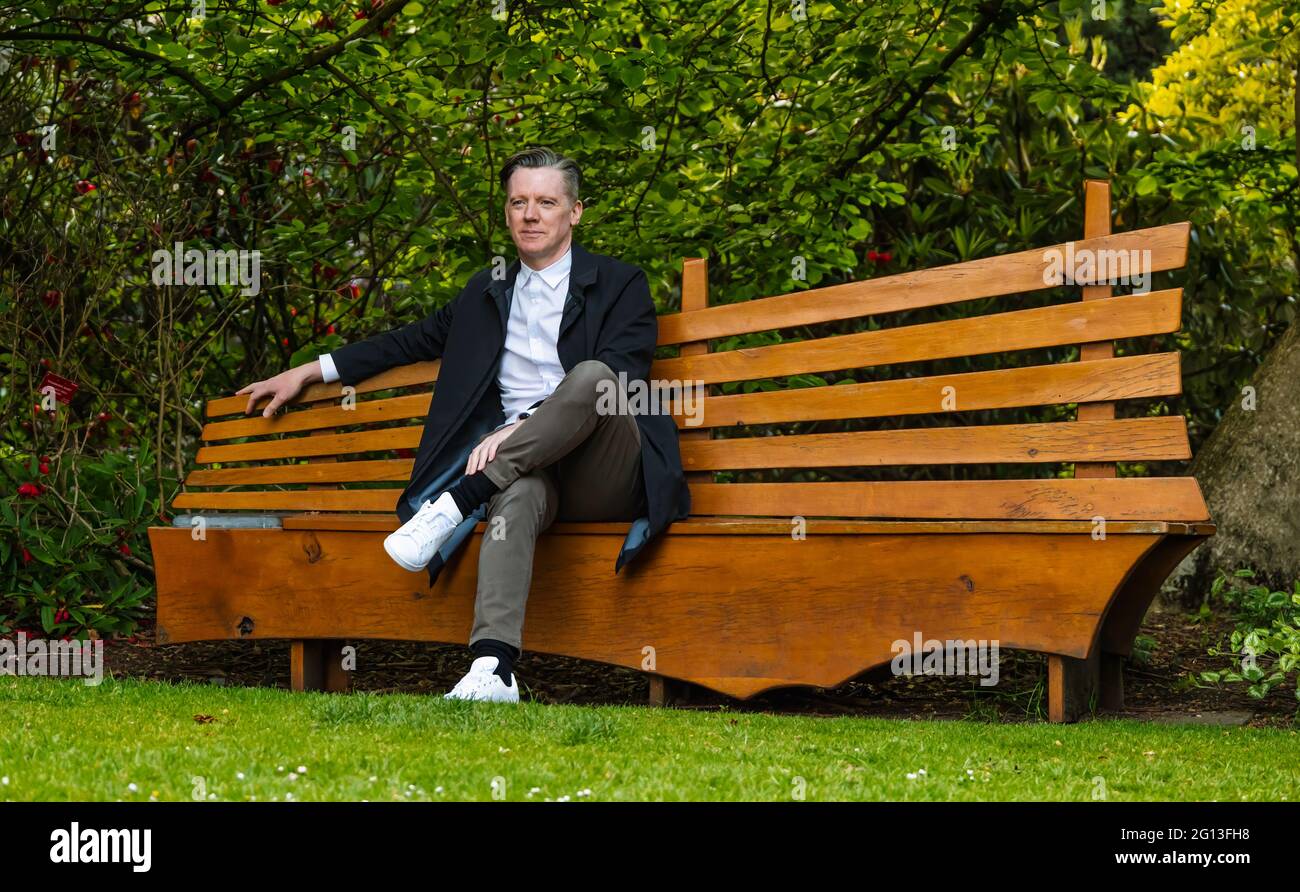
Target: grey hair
539,156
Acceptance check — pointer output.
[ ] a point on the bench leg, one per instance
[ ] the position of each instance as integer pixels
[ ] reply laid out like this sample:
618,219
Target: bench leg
668,691
1072,686
1111,693
316,664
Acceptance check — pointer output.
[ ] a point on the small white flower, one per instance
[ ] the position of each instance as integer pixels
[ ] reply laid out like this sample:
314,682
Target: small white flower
4,781
293,775
410,786
563,799
302,769
373,778
132,787
279,768
239,774
211,796
437,789
911,775
288,796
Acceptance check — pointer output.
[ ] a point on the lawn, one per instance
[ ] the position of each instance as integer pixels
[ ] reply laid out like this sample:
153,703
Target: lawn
135,740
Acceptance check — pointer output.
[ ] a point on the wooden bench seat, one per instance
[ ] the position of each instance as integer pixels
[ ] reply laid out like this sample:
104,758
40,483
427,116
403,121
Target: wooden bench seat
781,576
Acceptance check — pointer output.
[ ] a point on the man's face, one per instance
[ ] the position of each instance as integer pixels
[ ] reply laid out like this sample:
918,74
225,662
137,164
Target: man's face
539,215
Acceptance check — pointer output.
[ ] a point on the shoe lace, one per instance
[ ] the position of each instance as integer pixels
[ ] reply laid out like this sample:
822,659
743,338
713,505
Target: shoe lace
474,683
428,521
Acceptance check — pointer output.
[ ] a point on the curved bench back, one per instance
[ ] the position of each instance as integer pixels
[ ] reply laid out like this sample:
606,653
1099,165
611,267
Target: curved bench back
356,457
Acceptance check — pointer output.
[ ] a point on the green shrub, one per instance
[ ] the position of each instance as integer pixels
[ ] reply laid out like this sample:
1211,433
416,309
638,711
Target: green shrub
1266,638
73,549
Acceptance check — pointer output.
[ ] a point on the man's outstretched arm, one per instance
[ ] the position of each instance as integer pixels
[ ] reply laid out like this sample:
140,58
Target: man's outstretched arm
354,363
420,341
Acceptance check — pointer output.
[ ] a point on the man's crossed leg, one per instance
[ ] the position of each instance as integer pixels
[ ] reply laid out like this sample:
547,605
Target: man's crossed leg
568,461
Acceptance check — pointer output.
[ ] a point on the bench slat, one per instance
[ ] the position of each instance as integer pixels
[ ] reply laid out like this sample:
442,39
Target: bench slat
294,500
1128,377
1122,498
763,526
384,439
402,376
1058,499
1131,439
363,412
374,470
988,277
1097,320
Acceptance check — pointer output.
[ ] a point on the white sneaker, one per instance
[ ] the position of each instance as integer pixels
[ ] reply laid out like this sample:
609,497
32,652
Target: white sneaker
482,683
414,543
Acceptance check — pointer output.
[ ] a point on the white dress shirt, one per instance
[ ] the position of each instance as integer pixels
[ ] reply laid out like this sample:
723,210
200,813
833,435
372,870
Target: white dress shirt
530,368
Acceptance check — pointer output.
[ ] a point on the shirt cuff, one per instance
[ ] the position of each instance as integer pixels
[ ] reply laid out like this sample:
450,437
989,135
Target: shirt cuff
327,369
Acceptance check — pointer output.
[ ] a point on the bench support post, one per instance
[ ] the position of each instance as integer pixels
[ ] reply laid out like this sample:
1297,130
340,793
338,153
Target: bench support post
669,691
695,296
1073,686
317,665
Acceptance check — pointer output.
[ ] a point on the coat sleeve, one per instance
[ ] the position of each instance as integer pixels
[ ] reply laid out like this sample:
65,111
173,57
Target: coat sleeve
417,342
627,339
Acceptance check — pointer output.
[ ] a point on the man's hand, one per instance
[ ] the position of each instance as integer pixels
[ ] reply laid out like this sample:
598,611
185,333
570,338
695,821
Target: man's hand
282,388
486,450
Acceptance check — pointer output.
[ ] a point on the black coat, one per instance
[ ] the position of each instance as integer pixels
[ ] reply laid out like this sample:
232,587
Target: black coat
608,315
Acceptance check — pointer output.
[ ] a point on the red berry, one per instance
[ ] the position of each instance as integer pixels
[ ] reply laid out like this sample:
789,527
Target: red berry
84,186
124,548
45,469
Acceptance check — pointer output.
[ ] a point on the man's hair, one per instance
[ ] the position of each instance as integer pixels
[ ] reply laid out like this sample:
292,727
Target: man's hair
539,156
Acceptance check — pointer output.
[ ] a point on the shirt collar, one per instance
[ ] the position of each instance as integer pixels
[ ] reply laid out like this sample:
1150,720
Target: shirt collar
553,275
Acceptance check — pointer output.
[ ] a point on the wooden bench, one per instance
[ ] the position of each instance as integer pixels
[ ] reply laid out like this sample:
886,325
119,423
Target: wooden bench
734,598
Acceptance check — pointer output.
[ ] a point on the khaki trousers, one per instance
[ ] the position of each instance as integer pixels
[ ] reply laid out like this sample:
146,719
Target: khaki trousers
567,460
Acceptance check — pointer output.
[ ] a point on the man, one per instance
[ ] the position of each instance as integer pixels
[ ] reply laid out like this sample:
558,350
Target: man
519,426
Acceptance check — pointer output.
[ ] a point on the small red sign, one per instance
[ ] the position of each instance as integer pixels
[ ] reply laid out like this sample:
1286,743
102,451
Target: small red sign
63,388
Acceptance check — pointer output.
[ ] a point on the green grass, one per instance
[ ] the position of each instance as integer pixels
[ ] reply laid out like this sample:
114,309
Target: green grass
61,739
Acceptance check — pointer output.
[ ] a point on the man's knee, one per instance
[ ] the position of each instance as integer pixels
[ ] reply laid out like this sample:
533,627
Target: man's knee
589,383
590,372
